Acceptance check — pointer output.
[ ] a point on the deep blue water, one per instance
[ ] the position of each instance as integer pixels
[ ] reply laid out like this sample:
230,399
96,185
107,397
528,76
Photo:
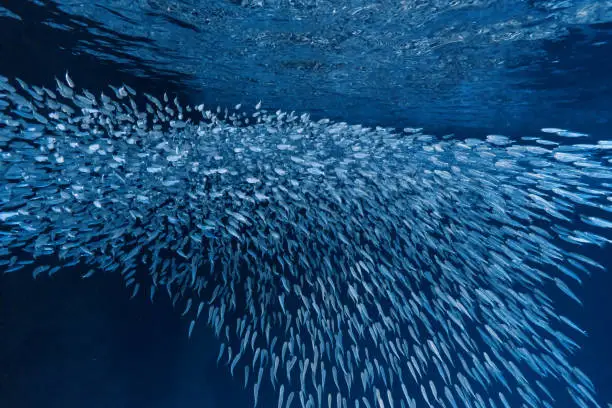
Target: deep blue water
67,342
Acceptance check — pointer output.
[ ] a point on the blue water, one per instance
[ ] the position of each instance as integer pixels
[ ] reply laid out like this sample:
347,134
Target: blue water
479,67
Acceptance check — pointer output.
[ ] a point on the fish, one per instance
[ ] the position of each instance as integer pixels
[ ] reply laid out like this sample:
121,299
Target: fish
318,243
191,326
69,80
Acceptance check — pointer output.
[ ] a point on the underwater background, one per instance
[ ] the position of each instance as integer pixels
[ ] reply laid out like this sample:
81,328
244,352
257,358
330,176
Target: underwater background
464,68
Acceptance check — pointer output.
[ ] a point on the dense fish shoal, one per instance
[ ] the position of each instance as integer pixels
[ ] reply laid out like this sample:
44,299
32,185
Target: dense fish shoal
365,267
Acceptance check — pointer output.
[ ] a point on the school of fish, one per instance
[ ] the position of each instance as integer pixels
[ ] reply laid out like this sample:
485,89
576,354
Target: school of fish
338,265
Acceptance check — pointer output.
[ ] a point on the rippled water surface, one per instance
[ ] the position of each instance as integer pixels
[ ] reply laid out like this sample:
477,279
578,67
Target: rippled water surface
446,65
